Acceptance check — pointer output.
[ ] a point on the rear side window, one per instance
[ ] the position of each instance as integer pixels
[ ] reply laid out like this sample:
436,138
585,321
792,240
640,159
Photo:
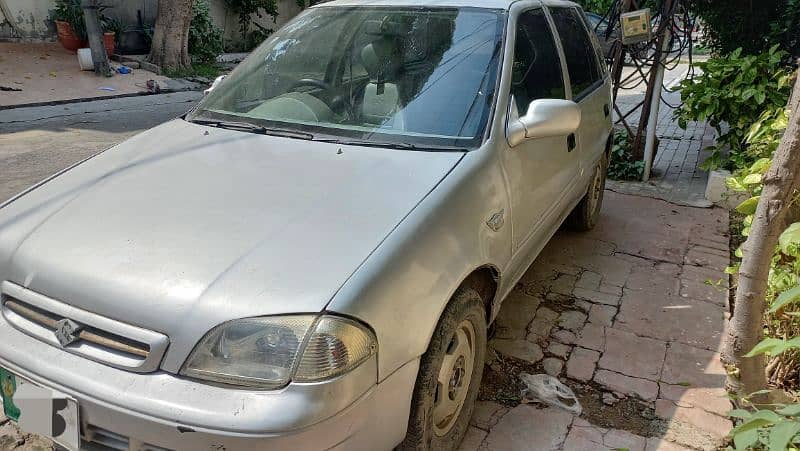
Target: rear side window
579,51
537,68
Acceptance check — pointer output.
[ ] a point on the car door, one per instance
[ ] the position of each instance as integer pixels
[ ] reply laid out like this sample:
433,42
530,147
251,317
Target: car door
542,172
589,85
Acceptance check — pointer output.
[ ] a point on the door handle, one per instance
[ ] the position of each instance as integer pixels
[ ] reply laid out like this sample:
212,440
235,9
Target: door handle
571,142
606,110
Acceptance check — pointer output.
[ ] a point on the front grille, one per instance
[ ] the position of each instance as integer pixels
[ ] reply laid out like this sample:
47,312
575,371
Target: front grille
88,334
98,338
99,439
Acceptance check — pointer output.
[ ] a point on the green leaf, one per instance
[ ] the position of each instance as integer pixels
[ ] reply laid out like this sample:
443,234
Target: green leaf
787,297
774,346
745,439
790,237
791,410
748,207
752,179
781,434
740,413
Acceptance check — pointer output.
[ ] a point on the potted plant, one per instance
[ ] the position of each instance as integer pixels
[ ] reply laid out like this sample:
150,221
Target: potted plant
68,16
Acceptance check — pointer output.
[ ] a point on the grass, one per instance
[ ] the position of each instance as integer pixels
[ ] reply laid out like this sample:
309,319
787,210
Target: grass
208,70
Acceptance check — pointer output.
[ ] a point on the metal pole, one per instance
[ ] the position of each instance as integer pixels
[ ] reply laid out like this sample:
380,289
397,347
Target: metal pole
655,103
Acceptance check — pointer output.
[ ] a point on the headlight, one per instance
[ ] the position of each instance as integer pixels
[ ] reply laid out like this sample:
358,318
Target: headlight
269,352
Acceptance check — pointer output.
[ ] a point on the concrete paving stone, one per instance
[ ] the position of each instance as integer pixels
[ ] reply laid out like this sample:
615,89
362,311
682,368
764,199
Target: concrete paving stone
694,377
619,439
596,296
558,349
602,315
644,389
472,439
718,242
564,336
592,336
659,444
717,426
632,355
582,363
725,253
706,260
647,279
671,318
553,366
517,311
519,349
610,289
487,414
528,428
589,280
564,284
701,291
702,274
572,320
615,270
583,305
584,438
542,324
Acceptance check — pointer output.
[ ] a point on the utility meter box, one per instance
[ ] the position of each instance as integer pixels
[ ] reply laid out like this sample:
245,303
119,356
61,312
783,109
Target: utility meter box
636,26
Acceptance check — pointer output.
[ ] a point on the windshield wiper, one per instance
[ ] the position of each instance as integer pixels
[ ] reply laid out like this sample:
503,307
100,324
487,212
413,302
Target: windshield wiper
390,145
252,128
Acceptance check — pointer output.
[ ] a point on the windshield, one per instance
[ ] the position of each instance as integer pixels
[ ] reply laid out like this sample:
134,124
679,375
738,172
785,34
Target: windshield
416,76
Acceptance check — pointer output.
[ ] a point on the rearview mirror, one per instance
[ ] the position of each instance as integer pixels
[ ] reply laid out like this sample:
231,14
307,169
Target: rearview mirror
216,83
545,118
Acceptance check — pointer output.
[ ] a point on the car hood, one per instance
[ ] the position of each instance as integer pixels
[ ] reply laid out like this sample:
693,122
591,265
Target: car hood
185,226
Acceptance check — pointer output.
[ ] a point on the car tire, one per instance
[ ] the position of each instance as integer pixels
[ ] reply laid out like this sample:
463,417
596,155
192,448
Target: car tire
436,422
584,216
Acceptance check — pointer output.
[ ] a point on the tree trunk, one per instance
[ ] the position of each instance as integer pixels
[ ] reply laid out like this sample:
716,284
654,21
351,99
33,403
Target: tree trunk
170,47
95,35
744,331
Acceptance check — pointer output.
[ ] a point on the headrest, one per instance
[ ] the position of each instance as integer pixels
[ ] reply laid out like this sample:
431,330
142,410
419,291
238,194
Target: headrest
381,58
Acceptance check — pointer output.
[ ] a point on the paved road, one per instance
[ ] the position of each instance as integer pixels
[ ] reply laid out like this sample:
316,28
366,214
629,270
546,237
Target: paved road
38,141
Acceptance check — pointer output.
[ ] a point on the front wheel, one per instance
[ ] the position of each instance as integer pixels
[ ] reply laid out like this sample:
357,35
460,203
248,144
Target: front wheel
584,216
449,376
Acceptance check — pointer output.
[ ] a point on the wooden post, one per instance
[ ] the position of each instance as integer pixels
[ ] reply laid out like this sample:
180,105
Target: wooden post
95,35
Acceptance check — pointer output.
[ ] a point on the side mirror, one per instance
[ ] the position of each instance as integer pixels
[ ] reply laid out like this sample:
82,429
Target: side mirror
545,118
216,83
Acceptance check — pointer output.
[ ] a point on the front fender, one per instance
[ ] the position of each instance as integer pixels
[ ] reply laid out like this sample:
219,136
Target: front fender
404,285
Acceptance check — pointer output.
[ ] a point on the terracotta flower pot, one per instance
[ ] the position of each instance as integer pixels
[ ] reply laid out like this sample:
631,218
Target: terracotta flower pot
67,37
108,42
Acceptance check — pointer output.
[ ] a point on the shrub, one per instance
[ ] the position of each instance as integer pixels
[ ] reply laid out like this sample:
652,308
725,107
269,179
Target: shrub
734,91
752,26
205,39
621,165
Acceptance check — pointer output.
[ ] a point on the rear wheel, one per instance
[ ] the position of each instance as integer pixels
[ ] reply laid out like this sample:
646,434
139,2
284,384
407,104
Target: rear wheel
449,376
584,216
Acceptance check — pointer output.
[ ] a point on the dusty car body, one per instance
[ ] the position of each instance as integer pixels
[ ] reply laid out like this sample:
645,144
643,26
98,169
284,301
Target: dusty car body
117,272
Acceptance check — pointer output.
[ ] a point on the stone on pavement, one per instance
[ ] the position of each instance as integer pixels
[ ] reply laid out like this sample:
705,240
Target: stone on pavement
632,355
644,389
671,318
581,364
517,312
572,320
519,349
528,428
602,315
558,349
715,425
487,414
596,296
542,324
592,337
694,377
552,366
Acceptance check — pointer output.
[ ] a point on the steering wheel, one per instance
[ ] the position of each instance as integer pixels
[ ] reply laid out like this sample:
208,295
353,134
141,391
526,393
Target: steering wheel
311,82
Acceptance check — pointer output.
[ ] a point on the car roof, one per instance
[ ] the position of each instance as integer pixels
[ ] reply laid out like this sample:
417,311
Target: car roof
487,4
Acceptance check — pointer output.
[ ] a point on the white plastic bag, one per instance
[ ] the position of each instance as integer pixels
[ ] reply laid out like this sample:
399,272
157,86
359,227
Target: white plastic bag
549,390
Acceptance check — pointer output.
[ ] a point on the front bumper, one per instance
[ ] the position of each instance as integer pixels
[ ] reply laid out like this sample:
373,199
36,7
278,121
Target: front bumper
163,411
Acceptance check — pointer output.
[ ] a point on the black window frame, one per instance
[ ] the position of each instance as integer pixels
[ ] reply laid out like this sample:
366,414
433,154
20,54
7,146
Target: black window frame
577,97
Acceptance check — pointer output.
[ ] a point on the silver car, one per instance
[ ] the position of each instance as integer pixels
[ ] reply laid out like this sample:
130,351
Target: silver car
308,259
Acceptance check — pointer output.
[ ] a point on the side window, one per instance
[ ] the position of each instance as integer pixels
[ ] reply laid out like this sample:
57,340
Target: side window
579,51
537,68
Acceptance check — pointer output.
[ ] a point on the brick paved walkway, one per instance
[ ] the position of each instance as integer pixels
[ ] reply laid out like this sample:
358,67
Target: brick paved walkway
676,176
624,315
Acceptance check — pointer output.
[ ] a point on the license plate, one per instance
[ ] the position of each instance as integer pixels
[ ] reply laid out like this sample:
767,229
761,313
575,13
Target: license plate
40,410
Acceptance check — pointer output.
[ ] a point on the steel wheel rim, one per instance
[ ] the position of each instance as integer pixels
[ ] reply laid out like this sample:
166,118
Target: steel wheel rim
596,190
453,380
